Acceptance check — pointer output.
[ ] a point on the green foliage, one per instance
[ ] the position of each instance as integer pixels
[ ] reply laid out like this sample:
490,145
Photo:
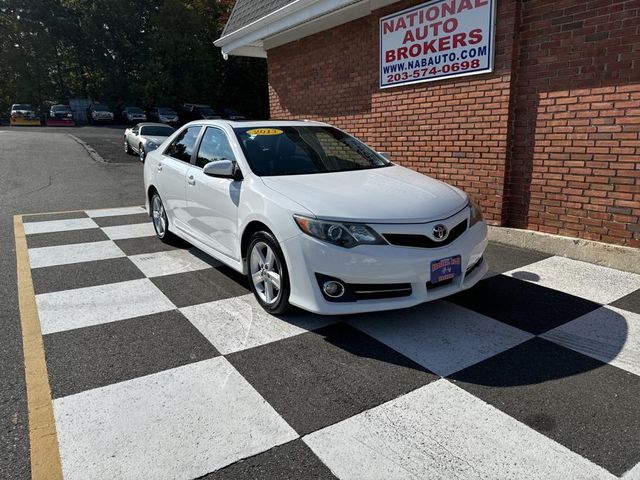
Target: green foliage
141,52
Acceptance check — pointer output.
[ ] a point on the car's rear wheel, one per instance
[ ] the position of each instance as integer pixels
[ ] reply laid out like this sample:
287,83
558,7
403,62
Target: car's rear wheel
142,153
159,216
268,274
127,147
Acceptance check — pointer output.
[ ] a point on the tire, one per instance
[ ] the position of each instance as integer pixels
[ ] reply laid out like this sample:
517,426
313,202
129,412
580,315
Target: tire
160,220
262,274
127,147
142,153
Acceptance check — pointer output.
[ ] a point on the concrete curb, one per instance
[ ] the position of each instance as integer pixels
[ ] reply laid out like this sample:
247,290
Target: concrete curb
607,255
92,153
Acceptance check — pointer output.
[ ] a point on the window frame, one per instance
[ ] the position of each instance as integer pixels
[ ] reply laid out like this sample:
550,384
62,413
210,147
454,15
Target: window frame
196,144
201,136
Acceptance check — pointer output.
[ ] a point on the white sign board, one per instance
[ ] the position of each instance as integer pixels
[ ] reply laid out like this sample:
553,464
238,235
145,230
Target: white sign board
436,40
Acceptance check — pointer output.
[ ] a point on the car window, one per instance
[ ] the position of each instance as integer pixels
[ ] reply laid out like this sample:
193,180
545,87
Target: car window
156,131
303,150
214,146
182,147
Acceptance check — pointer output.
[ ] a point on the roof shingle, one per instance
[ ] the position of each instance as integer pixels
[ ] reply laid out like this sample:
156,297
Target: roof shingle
247,11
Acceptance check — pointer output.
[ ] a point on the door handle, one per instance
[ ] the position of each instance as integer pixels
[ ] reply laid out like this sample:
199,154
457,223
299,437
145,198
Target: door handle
159,167
191,180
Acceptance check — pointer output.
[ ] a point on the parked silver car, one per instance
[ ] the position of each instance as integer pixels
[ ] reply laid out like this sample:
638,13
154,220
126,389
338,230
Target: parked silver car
133,114
164,115
145,137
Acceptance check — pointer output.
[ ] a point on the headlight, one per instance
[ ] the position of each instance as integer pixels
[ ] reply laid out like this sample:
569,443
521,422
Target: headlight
341,234
475,215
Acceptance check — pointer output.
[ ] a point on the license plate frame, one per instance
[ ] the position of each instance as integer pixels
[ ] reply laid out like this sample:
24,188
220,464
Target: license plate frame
445,269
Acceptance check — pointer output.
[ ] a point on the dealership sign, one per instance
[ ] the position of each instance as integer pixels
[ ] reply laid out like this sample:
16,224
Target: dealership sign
436,40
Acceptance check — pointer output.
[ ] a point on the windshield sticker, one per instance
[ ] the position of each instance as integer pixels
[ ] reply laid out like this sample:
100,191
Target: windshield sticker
264,131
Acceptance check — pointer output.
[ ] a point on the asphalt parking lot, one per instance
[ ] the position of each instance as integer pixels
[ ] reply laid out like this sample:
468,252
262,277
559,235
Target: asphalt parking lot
156,362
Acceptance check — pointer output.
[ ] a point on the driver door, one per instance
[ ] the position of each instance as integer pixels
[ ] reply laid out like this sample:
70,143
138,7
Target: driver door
212,202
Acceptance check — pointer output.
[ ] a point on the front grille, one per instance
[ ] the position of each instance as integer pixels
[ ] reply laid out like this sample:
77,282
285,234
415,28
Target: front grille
432,286
422,241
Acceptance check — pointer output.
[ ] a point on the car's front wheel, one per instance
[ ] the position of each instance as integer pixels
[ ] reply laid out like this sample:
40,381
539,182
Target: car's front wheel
159,216
127,147
268,274
142,153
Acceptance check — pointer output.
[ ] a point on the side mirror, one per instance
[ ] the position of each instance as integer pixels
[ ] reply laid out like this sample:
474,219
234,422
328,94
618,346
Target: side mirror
223,168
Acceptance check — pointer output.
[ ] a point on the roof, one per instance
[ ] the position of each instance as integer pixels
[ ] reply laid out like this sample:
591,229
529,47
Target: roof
256,26
246,12
260,123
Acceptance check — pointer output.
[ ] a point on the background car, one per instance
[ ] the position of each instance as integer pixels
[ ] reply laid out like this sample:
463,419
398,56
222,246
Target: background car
314,217
133,115
193,111
232,114
100,113
23,114
164,115
60,115
145,137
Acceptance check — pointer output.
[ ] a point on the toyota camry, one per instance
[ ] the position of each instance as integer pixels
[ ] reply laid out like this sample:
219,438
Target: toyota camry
314,217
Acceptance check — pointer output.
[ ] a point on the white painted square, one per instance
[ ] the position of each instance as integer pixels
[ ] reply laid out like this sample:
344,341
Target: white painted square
136,230
74,253
440,432
169,262
177,424
581,279
112,212
441,336
50,226
609,334
88,306
240,323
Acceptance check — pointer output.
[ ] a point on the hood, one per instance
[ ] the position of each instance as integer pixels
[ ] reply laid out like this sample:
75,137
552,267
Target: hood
382,195
154,138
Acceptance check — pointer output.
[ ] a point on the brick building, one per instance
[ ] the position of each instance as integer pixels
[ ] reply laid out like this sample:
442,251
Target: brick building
548,140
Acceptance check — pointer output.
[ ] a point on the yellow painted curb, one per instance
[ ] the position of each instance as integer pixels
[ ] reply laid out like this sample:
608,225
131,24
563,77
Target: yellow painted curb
43,439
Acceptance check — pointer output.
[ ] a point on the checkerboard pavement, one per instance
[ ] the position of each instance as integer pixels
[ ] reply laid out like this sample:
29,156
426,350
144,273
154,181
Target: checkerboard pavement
162,365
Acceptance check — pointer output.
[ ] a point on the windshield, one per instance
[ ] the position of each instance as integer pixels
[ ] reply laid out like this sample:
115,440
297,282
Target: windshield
156,131
166,111
304,150
100,107
22,106
61,108
134,110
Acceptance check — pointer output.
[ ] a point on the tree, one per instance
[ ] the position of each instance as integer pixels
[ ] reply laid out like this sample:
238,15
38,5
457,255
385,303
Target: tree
121,52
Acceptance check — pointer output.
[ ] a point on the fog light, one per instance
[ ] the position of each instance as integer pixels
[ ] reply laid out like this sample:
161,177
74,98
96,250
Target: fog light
333,289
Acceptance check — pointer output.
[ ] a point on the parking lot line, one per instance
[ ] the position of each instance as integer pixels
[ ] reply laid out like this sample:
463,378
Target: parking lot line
45,455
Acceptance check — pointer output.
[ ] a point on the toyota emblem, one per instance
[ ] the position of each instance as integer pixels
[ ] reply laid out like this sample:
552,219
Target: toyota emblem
440,232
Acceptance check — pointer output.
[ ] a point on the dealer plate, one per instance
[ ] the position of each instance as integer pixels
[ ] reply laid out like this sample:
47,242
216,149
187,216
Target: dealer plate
446,269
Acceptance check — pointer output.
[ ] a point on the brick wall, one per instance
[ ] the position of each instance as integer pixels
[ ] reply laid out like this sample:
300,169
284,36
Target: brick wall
575,163
515,139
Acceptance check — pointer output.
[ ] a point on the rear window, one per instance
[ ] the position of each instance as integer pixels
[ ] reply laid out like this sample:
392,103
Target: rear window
22,106
156,131
61,108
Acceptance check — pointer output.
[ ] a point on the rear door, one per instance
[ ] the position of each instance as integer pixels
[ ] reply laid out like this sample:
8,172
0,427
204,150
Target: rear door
172,173
212,202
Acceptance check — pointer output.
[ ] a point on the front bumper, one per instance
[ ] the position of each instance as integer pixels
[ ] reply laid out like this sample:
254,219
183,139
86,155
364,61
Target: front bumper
378,264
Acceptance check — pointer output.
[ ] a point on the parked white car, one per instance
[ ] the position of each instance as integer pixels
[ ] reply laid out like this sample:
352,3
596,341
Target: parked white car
314,217
145,137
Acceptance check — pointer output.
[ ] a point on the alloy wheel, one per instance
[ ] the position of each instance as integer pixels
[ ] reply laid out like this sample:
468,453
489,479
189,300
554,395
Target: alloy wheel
266,273
159,216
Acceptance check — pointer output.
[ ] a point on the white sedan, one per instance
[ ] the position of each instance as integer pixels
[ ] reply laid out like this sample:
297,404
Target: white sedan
144,137
314,217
